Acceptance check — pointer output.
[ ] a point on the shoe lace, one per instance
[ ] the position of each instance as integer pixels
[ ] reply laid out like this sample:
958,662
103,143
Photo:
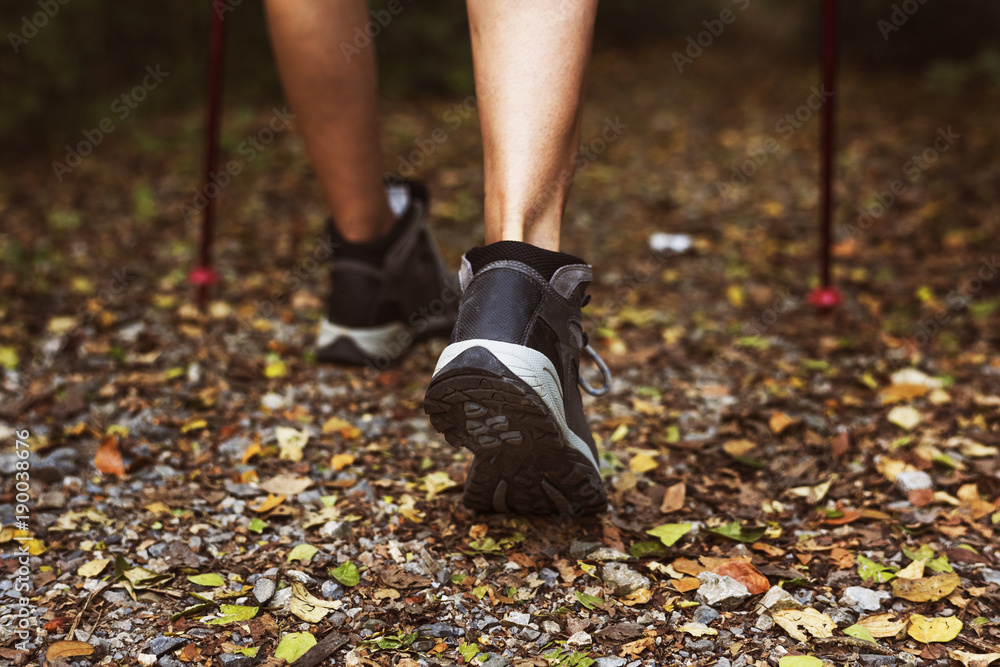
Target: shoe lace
596,358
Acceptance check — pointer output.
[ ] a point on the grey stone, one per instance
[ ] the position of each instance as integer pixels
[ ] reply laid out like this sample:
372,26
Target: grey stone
990,576
721,591
842,617
263,590
496,660
723,662
608,554
439,630
529,634
622,579
238,660
335,530
51,500
610,661
702,646
331,590
581,550
705,614
163,644
862,599
517,618
764,623
877,660
913,481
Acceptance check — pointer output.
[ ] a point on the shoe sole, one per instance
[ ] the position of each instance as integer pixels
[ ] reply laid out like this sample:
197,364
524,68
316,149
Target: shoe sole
502,402
379,346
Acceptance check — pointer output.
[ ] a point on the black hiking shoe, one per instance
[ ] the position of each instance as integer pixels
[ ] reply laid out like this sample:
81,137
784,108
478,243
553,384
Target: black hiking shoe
506,387
379,307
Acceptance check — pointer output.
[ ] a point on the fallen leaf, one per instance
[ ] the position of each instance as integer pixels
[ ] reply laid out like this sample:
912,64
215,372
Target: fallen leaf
384,593
346,573
800,661
93,568
925,630
268,504
860,632
974,659
436,482
108,458
669,533
746,574
686,584
290,443
735,531
638,646
697,629
794,621
294,645
929,589
640,596
302,552
341,461
972,503
905,417
914,570
779,422
234,613
210,579
68,649
307,607
738,448
286,485
641,463
673,499
342,426
883,625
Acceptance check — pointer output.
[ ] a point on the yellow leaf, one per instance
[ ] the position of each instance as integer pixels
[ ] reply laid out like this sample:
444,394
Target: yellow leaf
928,630
93,568
194,425
697,629
914,570
779,422
883,625
800,661
638,646
905,417
640,596
930,589
737,448
307,607
436,482
794,621
736,295
275,368
341,461
254,449
619,433
269,503
641,463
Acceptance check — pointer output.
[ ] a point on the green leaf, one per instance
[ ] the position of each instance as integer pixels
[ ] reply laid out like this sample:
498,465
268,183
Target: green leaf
869,569
860,632
249,651
669,533
940,564
302,552
234,613
588,601
643,549
480,591
925,552
294,645
346,573
735,531
800,661
457,578
193,610
210,579
257,525
980,620
468,651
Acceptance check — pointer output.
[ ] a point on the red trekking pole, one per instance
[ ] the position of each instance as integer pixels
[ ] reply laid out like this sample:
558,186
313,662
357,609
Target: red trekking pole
203,275
826,296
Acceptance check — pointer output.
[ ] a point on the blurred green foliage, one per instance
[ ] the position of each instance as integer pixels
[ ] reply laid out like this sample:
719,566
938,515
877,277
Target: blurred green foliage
88,52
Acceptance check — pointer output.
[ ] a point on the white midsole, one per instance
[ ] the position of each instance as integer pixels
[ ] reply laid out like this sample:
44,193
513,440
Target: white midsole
375,340
533,368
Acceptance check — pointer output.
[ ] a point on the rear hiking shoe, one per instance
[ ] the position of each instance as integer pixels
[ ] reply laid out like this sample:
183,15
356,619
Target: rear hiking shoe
506,387
379,307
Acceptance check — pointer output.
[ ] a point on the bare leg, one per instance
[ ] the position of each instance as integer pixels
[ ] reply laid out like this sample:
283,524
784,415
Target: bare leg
336,103
530,61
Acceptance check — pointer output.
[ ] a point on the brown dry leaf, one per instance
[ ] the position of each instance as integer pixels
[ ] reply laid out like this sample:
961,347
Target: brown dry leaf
883,625
972,503
635,648
842,558
746,574
847,516
109,458
779,422
673,499
686,584
286,485
383,593
974,659
840,444
269,503
191,653
68,649
567,571
688,566
794,621
641,596
901,392
737,448
929,589
769,549
926,630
